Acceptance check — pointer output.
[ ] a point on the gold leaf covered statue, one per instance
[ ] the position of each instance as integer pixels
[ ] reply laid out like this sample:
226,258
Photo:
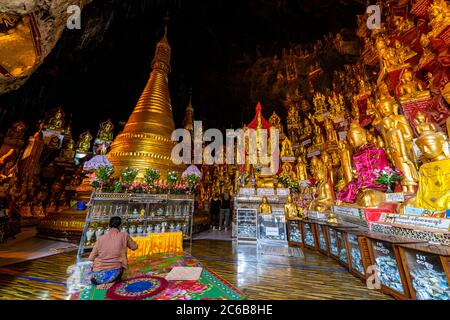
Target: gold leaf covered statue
56,122
287,171
106,131
286,150
84,145
410,89
265,207
434,177
396,145
422,124
332,136
275,121
301,169
324,197
291,210
439,13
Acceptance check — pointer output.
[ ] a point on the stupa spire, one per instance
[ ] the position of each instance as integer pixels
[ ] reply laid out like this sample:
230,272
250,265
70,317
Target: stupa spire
145,141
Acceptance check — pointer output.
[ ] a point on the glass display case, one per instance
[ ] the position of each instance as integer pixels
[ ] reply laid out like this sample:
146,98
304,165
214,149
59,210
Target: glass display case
322,237
356,258
334,250
384,254
342,247
308,235
141,214
427,270
272,227
246,224
294,233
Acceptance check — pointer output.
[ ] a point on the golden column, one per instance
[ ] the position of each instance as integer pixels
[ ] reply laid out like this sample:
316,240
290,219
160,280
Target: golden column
145,141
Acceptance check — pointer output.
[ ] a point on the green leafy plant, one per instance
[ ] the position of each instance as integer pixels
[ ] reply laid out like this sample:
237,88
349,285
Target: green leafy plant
151,176
128,175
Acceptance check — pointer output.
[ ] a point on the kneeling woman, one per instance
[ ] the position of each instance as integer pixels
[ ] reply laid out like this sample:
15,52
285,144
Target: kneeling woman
109,255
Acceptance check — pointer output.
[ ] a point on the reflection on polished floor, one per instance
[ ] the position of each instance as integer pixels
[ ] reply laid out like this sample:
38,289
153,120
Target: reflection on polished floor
257,275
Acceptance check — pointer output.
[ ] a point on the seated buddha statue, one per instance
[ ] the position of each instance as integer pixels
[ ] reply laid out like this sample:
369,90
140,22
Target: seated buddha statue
324,196
439,13
332,136
85,142
106,131
286,149
366,158
307,129
410,89
56,122
287,171
290,209
264,206
434,177
422,124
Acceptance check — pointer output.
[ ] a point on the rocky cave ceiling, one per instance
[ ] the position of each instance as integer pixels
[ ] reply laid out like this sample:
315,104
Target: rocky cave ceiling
99,71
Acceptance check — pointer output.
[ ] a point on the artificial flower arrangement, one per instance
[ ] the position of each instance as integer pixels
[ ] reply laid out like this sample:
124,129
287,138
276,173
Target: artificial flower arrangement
388,177
191,176
102,179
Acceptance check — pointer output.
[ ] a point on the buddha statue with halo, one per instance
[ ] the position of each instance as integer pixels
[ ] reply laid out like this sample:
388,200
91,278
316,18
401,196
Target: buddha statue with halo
422,124
84,145
56,122
286,149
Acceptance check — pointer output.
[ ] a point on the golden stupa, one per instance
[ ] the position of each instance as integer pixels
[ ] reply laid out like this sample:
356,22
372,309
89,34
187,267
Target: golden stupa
145,141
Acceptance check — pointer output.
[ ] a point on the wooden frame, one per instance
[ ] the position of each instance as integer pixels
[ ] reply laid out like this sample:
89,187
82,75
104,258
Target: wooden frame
393,242
441,253
321,226
311,227
363,248
288,232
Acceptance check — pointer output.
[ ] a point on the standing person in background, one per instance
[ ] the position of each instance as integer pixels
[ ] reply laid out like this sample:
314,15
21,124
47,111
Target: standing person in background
225,211
215,210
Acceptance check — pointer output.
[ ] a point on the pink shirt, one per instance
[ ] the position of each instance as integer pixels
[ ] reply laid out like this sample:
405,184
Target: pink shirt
110,250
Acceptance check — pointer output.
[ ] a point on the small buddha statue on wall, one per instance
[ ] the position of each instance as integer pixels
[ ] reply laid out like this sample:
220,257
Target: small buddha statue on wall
422,124
410,89
265,207
286,150
301,169
290,209
324,197
56,122
106,131
84,144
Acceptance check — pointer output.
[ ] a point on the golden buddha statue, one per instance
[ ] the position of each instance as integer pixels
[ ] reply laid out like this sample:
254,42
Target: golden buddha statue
292,118
396,145
54,142
332,136
307,129
345,156
427,55
439,13
318,139
84,144
328,163
389,108
287,171
275,122
286,150
106,131
403,52
290,209
409,89
319,104
324,197
434,177
265,207
56,122
300,168
422,124
337,106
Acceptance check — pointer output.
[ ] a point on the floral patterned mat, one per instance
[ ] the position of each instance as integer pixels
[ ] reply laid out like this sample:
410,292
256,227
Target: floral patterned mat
209,287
